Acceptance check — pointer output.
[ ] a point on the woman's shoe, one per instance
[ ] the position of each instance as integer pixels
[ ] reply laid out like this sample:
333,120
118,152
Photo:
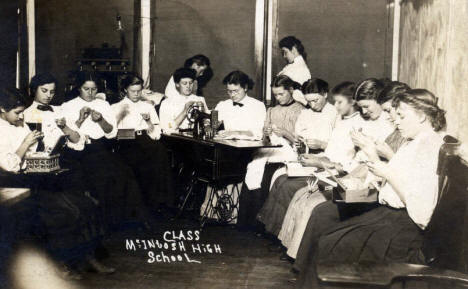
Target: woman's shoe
275,248
286,258
99,267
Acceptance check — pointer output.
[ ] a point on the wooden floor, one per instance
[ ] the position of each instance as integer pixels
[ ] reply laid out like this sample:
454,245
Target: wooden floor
244,262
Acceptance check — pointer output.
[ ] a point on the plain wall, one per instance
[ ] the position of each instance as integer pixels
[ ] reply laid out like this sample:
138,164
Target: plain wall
9,43
63,28
344,39
222,30
433,55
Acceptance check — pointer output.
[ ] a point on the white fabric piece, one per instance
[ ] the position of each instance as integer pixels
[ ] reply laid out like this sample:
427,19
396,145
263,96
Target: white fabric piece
171,89
256,168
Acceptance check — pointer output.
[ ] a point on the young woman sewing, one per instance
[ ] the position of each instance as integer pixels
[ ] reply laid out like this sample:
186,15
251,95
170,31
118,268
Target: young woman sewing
338,154
241,114
147,157
109,179
314,127
279,125
393,231
70,218
369,140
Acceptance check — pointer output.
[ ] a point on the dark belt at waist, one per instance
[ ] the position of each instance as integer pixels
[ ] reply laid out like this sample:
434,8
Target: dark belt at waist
96,144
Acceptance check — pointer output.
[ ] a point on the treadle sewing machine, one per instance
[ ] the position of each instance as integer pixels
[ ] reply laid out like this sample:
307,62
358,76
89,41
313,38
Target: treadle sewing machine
218,164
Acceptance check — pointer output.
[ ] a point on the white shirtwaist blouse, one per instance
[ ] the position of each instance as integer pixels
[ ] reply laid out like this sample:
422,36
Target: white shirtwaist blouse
415,164
248,117
316,125
12,138
340,148
298,72
172,107
49,127
132,119
71,111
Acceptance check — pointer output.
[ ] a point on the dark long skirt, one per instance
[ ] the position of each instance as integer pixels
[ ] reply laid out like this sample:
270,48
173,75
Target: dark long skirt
65,221
73,225
111,182
149,161
325,216
382,234
251,201
274,210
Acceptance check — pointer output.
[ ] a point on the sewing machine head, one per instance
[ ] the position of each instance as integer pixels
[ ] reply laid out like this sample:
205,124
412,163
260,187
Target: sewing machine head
204,124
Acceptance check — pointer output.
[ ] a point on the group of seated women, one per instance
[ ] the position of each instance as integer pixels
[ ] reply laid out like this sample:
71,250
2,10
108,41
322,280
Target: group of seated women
381,135
117,171
107,183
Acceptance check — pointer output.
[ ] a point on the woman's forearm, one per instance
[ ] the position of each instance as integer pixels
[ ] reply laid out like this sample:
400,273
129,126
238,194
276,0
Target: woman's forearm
180,118
21,151
150,126
289,136
106,127
72,135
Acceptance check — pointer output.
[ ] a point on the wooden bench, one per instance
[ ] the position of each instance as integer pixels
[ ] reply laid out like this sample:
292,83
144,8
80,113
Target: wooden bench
446,238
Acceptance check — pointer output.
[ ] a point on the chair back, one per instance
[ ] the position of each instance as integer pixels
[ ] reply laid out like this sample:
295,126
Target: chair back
446,234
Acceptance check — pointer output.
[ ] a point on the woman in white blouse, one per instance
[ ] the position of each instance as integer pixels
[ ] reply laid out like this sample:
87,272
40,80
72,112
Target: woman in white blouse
173,112
338,154
241,115
296,68
109,179
143,152
70,218
201,64
393,231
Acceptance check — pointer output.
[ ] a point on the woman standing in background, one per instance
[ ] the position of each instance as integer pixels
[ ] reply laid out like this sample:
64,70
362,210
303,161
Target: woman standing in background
296,68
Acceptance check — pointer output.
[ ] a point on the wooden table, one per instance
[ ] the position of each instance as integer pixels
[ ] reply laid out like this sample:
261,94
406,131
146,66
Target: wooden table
217,163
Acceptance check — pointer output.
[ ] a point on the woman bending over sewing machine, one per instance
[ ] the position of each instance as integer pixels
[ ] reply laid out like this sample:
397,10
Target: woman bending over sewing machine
69,217
173,112
138,145
241,115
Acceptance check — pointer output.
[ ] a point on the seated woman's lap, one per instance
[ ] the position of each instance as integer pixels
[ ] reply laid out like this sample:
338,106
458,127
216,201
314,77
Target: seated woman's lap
382,234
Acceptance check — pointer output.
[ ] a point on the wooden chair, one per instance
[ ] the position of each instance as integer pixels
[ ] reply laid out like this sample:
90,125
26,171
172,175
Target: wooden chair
446,242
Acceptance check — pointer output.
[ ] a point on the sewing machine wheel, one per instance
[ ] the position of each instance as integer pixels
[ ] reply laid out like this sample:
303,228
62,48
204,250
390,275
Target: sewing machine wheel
191,114
224,208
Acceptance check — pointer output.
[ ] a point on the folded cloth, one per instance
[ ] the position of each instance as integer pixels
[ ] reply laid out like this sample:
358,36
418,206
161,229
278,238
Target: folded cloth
256,168
236,136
